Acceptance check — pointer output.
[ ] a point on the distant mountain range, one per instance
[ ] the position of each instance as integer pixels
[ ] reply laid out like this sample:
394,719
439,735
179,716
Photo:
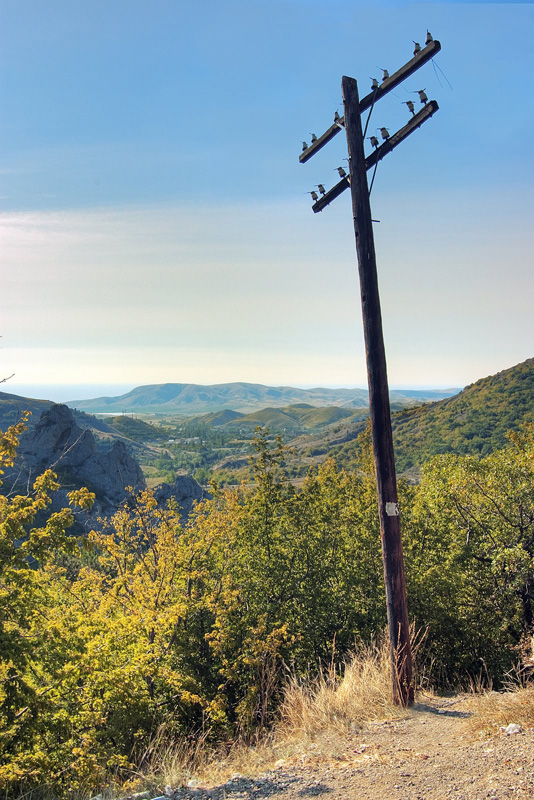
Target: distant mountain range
191,399
317,422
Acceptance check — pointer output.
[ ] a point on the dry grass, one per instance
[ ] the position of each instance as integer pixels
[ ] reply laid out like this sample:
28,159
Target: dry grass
172,763
495,710
335,703
168,761
314,718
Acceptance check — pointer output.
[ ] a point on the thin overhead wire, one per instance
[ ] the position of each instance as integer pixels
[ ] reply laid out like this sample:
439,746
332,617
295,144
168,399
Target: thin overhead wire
436,74
438,67
373,179
370,112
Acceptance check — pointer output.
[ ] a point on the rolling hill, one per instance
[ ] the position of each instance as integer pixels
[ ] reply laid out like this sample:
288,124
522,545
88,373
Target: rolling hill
218,418
474,421
276,419
13,405
193,399
135,429
298,417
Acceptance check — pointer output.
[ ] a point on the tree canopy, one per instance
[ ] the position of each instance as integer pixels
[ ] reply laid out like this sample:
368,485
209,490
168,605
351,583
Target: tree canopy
149,624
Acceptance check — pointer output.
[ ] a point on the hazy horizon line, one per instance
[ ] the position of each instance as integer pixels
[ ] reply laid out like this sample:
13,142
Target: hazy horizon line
69,392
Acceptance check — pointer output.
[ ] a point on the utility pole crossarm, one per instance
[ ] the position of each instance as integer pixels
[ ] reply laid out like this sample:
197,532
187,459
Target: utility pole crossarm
378,154
366,102
412,125
334,192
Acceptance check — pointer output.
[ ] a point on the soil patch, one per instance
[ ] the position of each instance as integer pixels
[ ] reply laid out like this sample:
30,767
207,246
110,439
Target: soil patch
428,754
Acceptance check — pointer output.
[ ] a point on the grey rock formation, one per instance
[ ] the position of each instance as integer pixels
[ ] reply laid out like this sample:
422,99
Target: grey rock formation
112,472
185,490
57,442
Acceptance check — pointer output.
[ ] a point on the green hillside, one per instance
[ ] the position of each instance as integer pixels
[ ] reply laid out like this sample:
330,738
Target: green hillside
474,421
319,417
276,419
217,418
136,429
12,406
297,417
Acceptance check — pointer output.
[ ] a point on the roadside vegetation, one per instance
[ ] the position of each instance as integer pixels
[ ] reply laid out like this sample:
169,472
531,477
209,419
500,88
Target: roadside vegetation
247,618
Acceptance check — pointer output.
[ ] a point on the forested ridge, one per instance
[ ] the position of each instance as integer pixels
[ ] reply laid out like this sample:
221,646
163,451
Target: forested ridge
475,421
149,625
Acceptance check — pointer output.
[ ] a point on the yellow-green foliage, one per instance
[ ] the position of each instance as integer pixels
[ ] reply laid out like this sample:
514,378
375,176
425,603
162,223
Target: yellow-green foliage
32,654
470,555
148,625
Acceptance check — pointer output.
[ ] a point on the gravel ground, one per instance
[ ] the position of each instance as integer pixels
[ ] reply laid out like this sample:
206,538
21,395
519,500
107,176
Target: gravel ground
430,755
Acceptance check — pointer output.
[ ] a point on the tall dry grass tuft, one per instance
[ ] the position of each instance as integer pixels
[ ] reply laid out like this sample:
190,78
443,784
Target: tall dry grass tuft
170,761
495,710
337,702
319,712
179,763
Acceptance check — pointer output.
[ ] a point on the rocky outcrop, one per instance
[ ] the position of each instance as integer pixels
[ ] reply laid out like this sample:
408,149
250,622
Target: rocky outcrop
57,442
185,491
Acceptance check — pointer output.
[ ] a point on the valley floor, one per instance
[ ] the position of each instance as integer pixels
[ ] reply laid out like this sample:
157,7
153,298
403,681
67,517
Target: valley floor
429,753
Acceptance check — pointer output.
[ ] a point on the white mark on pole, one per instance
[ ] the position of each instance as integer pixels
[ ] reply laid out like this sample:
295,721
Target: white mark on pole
392,509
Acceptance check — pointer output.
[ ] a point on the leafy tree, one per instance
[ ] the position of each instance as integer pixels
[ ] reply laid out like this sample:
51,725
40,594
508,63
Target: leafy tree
148,623
471,555
30,659
299,575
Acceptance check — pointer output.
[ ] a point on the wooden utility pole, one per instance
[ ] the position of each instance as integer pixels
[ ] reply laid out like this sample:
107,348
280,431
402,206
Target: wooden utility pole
388,506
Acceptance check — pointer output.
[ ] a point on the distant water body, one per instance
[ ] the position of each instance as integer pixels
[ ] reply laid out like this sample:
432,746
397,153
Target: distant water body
61,393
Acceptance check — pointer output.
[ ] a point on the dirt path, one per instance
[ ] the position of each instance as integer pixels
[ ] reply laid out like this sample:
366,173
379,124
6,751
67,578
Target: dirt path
429,755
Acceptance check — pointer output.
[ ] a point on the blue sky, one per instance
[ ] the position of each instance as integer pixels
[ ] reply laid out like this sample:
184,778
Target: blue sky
155,225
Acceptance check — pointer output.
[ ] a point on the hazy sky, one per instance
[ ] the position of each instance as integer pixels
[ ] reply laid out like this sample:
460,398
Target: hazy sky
155,225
